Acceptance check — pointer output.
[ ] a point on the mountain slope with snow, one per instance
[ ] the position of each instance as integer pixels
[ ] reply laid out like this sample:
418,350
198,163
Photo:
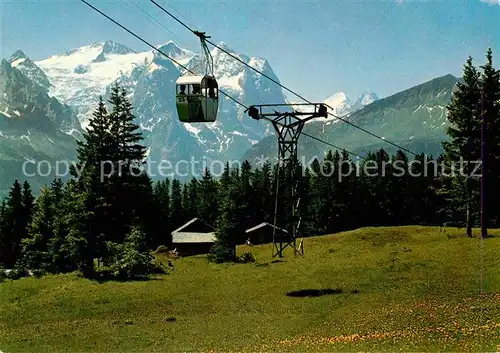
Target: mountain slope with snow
339,104
78,77
33,127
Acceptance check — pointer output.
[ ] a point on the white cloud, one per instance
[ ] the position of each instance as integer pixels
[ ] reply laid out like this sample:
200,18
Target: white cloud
491,2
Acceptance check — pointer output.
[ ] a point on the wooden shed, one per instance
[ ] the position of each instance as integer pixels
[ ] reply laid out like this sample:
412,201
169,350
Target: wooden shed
194,237
263,233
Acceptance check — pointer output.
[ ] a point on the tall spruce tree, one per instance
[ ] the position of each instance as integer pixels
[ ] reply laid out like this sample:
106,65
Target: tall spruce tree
344,193
209,204
228,227
113,190
262,199
28,201
318,207
246,192
130,188
3,233
399,188
89,216
37,253
14,227
464,145
191,201
490,106
60,256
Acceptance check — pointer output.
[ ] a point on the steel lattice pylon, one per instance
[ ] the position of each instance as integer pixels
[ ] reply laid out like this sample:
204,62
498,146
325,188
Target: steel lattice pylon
288,127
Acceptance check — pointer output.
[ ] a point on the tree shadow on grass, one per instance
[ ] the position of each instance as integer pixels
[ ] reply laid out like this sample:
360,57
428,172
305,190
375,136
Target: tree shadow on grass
317,292
104,276
266,264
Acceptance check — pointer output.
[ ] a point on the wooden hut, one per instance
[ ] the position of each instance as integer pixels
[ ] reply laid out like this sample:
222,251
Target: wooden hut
194,237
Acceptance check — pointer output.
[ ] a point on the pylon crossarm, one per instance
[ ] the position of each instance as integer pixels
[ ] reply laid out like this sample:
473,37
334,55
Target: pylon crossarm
256,111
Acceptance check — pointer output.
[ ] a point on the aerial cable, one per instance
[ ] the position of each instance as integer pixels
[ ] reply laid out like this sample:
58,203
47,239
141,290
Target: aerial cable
175,18
155,48
281,85
153,20
135,35
332,145
188,70
308,101
186,20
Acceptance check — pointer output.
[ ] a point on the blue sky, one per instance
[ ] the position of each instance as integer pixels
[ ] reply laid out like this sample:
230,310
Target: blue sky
316,48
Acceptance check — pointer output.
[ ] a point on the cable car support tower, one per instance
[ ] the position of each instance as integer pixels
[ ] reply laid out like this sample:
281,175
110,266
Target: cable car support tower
288,127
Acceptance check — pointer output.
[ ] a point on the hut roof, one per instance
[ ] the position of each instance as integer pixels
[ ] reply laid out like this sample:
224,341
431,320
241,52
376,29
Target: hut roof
194,231
265,224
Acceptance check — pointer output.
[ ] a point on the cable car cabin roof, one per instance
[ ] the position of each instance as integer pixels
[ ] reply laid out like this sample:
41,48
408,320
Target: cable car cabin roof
197,80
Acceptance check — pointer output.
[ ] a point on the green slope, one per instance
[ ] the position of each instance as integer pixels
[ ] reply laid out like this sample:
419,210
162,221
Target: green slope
402,288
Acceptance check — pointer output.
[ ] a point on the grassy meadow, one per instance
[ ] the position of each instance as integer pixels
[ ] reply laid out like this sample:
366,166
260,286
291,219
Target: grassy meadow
372,289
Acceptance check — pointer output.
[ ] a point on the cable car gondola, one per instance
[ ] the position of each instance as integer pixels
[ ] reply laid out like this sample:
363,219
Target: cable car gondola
197,96
197,99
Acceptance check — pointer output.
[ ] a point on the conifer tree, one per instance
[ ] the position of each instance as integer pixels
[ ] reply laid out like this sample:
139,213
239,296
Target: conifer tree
225,179
60,255
343,192
36,249
85,241
28,203
399,188
246,192
3,233
89,218
130,188
332,170
190,205
113,189
162,212
304,190
423,199
177,212
318,207
15,229
209,204
263,201
132,258
185,199
464,144
228,228
489,82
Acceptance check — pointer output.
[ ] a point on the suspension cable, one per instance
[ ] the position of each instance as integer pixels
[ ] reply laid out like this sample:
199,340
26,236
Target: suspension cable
281,85
190,71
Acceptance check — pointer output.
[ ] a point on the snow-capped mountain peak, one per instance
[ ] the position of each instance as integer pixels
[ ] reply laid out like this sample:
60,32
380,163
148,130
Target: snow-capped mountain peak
340,105
110,47
367,97
79,76
337,99
23,63
224,46
174,51
17,58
